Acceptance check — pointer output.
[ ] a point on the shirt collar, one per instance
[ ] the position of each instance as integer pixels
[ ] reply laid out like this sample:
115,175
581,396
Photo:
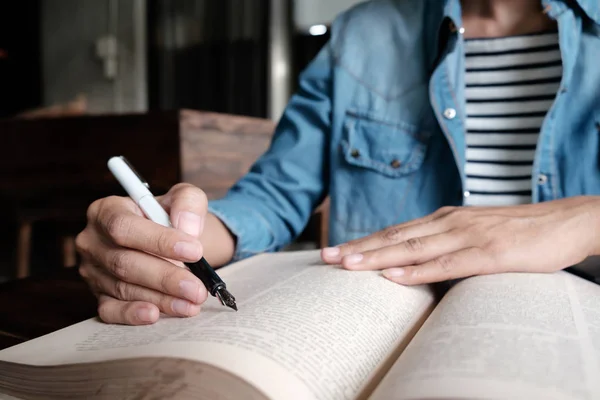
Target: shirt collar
591,8
453,11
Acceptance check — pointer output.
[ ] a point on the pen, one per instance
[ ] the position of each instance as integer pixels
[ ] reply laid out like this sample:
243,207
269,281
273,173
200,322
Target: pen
139,191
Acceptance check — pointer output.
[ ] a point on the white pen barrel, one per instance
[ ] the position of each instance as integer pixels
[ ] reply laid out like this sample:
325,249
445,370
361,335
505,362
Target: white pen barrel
154,211
128,179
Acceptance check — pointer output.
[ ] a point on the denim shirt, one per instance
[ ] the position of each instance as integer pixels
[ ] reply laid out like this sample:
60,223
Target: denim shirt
378,124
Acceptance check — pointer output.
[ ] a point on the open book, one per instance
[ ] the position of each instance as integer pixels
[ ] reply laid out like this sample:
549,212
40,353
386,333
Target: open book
309,331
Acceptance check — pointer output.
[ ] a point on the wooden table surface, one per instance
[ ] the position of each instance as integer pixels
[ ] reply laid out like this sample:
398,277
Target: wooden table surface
33,307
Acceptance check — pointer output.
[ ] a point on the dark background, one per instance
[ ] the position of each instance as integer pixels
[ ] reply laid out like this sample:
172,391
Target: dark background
223,67
223,73
20,56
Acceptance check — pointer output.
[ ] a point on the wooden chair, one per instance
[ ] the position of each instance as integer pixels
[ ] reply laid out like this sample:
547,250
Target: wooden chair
52,169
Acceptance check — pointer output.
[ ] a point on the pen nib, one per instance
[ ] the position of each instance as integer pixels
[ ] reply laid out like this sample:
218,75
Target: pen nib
226,298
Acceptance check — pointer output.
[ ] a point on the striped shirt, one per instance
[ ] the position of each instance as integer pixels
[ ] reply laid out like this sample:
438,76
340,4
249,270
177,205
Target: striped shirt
511,83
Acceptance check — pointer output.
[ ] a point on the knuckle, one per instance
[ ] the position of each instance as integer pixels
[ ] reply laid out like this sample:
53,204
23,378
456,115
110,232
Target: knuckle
476,230
181,186
84,271
457,211
82,243
99,209
496,248
93,210
446,264
122,290
459,215
392,234
165,242
119,263
118,227
167,276
414,245
445,210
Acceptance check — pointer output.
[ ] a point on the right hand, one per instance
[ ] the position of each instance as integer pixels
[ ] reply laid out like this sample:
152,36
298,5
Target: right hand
134,266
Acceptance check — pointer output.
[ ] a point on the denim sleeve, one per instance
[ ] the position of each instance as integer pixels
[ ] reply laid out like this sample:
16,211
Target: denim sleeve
270,206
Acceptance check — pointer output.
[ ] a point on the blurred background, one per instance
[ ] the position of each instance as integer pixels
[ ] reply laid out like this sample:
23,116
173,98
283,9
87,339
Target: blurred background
233,56
105,69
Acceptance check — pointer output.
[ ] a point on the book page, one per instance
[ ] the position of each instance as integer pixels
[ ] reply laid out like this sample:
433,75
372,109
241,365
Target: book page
505,336
303,330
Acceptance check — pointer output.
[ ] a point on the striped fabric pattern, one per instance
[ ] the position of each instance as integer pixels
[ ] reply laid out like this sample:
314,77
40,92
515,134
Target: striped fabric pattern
511,83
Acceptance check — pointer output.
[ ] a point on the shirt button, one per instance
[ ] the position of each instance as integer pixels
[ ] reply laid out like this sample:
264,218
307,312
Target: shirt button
395,164
466,193
449,113
542,179
355,153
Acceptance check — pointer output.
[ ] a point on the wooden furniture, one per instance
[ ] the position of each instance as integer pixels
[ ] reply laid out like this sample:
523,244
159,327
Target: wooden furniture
52,169
35,306
216,150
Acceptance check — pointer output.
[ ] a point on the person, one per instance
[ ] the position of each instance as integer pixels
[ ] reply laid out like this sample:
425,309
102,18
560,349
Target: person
453,138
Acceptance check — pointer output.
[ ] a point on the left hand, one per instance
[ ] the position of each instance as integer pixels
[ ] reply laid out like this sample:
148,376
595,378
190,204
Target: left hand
457,242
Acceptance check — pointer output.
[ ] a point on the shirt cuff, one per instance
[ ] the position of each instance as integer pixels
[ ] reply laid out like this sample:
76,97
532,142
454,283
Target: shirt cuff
252,231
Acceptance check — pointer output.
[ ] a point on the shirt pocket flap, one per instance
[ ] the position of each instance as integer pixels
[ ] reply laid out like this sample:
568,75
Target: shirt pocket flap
393,149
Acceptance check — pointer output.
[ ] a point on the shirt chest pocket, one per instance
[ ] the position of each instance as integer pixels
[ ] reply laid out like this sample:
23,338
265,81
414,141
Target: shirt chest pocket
380,163
391,149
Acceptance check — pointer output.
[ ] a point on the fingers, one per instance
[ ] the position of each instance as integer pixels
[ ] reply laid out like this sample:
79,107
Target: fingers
122,226
125,292
138,268
142,269
187,206
460,264
113,311
128,260
425,226
413,251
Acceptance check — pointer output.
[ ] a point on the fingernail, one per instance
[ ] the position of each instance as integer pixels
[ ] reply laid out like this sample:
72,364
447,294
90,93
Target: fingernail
145,314
190,223
181,307
353,259
189,251
393,272
331,252
190,290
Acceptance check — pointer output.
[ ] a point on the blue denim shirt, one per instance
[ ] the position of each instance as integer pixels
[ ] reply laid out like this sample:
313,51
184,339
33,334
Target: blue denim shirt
378,124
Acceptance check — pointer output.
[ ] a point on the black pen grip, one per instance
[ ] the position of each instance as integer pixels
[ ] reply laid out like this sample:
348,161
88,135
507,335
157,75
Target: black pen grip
206,274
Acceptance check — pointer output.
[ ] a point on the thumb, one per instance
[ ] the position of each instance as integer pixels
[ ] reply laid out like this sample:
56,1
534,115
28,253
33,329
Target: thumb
186,205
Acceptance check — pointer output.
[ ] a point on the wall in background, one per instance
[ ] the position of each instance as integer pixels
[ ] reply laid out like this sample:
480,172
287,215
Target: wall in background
308,13
226,56
200,54
96,48
209,55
